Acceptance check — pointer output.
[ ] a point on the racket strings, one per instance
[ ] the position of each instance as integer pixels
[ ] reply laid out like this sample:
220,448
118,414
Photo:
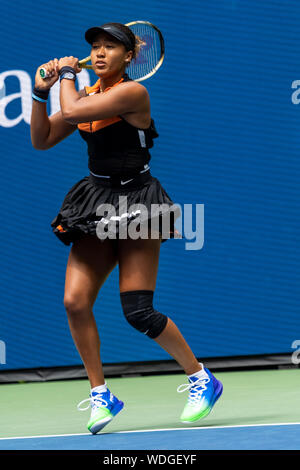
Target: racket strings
150,53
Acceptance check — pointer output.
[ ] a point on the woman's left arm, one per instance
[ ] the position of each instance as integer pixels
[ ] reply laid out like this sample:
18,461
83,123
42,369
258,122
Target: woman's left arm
128,97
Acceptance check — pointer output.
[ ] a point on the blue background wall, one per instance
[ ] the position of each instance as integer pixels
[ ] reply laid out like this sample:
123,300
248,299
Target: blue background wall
228,120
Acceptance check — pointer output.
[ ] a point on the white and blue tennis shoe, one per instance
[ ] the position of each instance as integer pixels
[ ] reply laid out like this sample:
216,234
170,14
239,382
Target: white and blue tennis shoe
204,391
104,407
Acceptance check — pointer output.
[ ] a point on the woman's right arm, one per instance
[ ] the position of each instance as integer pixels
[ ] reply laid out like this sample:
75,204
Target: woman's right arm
48,131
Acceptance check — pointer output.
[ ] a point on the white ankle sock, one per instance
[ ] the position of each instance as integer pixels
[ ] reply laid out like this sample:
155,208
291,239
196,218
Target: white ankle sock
201,373
99,388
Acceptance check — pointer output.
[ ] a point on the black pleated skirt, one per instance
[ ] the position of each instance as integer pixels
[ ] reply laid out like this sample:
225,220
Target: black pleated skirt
112,208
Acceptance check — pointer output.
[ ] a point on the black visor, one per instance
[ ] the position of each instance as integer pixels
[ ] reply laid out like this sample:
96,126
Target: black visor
114,31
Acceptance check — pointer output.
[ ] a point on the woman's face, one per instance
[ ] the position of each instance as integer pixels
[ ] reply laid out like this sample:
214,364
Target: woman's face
109,56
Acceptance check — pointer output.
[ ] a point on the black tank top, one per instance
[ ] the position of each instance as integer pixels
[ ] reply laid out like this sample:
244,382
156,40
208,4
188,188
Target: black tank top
115,147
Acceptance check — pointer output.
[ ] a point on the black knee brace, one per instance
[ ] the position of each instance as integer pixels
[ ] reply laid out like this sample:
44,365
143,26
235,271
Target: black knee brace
139,312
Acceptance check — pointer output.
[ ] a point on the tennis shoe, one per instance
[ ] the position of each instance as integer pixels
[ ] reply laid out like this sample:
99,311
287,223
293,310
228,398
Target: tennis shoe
203,394
104,407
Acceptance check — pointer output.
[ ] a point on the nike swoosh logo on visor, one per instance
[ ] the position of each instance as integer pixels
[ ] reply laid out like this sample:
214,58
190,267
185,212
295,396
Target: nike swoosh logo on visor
124,182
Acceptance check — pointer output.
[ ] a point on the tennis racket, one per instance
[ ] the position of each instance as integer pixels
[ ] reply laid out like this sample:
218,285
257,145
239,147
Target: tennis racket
150,57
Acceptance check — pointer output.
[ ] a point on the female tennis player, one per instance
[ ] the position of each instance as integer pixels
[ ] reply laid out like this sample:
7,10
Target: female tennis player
114,118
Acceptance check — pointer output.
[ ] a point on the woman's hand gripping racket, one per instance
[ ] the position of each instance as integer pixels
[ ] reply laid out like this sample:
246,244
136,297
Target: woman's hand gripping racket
149,59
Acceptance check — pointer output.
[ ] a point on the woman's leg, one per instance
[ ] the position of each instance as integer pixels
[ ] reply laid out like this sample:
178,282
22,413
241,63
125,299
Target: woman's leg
138,267
90,263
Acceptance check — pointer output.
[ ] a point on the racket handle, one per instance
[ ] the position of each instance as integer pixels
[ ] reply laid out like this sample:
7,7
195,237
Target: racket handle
82,64
43,73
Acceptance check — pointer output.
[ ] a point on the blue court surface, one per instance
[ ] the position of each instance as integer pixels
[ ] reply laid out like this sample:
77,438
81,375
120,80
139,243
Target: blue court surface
246,437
